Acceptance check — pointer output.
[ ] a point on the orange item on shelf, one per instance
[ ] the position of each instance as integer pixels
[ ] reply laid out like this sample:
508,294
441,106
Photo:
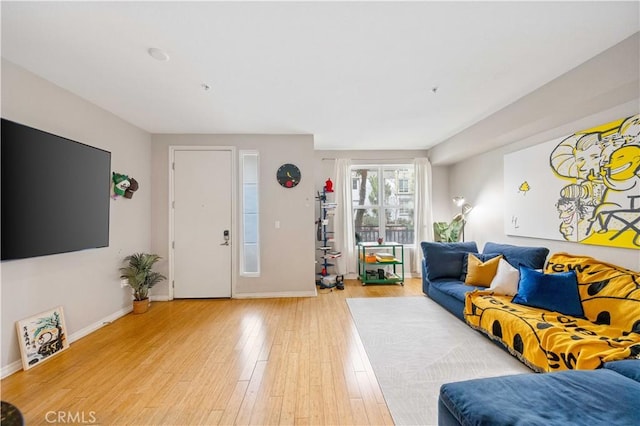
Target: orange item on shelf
370,258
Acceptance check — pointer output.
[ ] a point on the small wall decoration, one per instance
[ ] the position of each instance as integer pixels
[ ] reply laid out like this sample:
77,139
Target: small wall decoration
123,185
288,175
133,187
583,188
328,185
41,337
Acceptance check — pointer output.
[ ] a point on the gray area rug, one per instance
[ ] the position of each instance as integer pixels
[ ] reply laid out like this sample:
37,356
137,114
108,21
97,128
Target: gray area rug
414,346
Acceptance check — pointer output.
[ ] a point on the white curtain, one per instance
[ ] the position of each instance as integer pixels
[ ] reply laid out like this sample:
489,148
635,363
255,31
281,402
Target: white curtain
423,212
343,229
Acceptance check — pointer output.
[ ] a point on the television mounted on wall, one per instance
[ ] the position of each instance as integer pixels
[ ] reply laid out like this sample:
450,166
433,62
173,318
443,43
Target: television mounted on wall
55,193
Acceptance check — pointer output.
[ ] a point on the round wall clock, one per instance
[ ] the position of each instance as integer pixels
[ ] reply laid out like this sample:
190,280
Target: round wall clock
288,175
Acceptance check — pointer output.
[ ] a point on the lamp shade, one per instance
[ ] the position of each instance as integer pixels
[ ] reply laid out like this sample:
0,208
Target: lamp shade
458,200
466,208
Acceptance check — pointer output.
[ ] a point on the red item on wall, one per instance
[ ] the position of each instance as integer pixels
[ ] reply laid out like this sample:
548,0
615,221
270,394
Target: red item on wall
328,185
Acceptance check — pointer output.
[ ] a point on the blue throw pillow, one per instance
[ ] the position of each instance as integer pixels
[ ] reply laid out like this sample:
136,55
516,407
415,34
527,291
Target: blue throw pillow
482,257
552,292
531,257
444,260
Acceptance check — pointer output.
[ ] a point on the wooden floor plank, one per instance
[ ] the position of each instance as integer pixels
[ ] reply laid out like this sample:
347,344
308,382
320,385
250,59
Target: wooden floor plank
241,361
368,398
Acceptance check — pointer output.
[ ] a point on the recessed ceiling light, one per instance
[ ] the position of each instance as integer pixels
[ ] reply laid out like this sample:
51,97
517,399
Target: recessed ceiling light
158,54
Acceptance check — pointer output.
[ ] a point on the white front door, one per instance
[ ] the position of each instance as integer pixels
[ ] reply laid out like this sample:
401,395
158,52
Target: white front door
202,208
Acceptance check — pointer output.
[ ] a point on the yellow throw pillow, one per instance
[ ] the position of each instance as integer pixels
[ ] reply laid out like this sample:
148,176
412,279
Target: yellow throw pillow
481,273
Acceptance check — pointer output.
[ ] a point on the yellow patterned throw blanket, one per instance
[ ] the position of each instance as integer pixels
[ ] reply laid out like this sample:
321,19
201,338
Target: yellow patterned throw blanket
551,341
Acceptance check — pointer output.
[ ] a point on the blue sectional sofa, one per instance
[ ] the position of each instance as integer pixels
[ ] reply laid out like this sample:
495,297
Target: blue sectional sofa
607,396
443,267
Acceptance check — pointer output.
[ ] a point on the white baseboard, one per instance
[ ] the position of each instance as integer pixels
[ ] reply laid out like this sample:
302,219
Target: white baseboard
16,366
312,293
160,298
8,370
99,324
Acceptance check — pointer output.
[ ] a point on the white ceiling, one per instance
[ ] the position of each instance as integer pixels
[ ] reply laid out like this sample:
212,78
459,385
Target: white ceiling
356,75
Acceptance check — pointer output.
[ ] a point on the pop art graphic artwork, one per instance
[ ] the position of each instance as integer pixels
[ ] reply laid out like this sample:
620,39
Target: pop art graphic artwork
583,188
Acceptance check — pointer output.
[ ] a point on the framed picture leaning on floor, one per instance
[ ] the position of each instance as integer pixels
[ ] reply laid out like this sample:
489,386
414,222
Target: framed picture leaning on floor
42,336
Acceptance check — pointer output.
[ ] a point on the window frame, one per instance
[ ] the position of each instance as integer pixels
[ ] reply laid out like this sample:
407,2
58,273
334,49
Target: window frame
382,206
242,155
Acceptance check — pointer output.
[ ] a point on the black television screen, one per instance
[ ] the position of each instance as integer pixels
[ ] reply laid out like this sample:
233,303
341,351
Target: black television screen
55,193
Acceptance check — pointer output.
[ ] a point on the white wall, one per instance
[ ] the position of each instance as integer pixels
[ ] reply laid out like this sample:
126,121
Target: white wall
85,283
609,79
605,88
480,179
287,253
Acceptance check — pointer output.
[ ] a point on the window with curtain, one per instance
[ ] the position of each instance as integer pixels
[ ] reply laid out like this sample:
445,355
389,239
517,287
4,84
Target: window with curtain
383,202
250,235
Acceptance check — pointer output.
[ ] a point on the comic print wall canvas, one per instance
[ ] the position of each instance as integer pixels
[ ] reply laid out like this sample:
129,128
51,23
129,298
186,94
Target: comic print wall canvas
583,188
42,336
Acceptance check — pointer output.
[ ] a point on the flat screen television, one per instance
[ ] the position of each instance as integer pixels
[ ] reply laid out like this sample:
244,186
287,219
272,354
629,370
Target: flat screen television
55,193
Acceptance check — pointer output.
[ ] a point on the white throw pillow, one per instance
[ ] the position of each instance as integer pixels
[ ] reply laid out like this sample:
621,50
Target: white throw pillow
505,280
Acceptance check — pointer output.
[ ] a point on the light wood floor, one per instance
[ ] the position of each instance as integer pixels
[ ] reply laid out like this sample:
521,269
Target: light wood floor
190,362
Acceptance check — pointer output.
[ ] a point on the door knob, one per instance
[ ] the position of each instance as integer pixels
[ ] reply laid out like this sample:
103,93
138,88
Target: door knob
225,236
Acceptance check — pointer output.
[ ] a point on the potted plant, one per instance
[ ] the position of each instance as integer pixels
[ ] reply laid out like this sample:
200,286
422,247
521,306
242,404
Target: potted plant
141,278
448,232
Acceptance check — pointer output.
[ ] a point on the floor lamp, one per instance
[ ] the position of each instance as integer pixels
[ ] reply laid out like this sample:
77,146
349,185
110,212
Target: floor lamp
465,208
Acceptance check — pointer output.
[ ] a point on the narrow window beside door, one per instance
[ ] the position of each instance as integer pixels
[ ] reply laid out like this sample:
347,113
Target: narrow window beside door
250,235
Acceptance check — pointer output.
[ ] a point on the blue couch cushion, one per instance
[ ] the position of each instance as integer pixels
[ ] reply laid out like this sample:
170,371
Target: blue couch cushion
453,287
627,367
444,260
551,292
576,397
447,301
531,257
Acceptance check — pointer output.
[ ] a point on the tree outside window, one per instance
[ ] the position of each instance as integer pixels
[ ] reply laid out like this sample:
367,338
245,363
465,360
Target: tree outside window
383,203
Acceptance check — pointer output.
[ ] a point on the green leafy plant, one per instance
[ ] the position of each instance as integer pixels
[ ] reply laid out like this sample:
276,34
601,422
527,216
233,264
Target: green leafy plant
448,232
139,274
